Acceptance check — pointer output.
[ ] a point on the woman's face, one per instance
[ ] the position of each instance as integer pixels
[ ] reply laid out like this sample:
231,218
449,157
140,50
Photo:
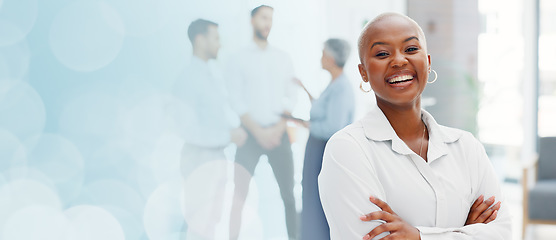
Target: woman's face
326,60
395,62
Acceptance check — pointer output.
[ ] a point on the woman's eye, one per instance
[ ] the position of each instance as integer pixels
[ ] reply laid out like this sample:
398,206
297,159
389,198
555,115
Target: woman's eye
411,49
381,54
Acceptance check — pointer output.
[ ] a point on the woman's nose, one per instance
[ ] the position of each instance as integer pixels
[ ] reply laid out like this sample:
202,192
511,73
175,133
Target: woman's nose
399,60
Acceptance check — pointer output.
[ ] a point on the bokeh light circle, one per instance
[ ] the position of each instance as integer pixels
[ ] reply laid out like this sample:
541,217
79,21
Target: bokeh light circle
166,158
162,216
110,161
203,199
23,172
92,223
109,192
131,224
90,119
14,62
144,177
9,145
86,36
22,110
148,119
18,194
176,53
17,18
37,222
60,160
145,17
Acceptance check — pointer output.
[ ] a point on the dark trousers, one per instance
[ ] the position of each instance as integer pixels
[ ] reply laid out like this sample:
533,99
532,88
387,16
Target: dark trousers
313,220
281,161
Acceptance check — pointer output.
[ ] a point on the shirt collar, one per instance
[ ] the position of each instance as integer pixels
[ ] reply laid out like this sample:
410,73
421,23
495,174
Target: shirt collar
199,68
254,47
197,62
338,81
377,128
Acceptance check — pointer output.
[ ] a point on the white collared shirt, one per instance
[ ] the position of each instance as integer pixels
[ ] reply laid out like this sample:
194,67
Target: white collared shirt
261,83
206,119
367,158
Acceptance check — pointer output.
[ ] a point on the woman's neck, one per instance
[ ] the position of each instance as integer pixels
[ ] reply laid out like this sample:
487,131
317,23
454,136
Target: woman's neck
335,73
406,121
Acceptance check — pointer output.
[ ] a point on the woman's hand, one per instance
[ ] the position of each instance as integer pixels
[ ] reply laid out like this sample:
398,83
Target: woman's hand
483,211
398,228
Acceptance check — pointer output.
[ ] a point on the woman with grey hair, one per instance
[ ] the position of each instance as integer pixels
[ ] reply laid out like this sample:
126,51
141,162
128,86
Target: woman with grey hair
332,111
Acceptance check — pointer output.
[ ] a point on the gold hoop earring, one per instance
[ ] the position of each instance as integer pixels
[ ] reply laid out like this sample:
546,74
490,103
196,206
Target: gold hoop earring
435,76
361,87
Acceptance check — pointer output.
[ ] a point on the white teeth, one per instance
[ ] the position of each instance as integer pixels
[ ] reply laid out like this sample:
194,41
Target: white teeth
400,78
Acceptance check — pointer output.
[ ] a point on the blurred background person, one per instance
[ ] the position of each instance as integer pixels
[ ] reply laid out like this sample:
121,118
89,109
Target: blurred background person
208,127
262,89
332,111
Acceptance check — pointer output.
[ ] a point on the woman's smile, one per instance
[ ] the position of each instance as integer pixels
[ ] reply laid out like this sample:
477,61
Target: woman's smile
395,62
400,80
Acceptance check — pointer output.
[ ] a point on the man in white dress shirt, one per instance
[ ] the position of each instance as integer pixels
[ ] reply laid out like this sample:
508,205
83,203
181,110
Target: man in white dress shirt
208,125
261,90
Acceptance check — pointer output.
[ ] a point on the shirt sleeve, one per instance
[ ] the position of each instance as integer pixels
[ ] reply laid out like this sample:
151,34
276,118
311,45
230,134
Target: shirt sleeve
486,184
230,115
338,110
290,89
236,84
346,182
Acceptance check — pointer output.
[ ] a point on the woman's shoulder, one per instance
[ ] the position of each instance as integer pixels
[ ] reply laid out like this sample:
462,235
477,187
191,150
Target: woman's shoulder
346,147
352,133
458,136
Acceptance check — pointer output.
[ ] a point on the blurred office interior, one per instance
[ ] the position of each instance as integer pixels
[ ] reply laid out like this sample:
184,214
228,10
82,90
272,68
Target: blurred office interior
87,146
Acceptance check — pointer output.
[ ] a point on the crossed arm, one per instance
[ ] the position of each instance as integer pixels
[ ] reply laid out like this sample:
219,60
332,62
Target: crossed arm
481,212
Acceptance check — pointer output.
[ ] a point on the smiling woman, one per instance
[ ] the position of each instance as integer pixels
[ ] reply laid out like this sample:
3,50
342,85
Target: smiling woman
399,44
397,172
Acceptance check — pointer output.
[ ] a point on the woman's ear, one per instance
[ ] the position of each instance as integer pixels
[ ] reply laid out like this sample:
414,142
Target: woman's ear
429,58
363,72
